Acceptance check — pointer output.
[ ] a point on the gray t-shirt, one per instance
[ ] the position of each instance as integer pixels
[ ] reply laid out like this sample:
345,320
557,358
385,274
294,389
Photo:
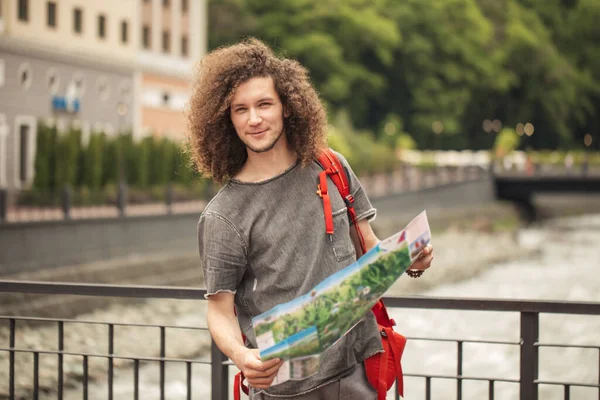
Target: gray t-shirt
266,243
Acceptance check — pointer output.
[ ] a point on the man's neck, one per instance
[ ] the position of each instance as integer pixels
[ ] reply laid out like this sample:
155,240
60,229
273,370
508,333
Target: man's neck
262,166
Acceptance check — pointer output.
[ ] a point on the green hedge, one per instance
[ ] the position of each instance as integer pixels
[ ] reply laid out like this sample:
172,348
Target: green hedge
98,165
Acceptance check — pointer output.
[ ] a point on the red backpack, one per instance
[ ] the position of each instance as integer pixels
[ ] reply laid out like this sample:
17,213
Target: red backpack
383,369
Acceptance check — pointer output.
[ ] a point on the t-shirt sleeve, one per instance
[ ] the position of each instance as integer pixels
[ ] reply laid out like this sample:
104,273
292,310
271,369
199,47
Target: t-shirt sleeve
362,204
222,254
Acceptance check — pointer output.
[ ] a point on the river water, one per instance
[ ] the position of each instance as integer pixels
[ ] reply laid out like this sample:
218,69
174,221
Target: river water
565,267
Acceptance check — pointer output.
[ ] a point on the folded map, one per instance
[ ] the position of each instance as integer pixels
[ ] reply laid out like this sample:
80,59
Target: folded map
300,330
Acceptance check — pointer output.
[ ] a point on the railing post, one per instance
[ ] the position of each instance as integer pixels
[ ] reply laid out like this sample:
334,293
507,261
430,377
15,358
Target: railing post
122,198
169,198
530,323
3,204
66,202
585,166
219,374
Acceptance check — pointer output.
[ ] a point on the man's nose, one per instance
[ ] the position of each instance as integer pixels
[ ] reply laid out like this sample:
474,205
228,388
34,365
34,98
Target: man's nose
254,119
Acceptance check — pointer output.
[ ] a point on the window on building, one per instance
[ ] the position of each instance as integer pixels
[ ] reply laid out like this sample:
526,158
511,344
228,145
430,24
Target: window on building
51,14
146,40
166,3
184,6
125,91
77,20
23,10
103,88
52,81
25,76
166,41
24,139
102,26
124,32
78,84
166,97
184,45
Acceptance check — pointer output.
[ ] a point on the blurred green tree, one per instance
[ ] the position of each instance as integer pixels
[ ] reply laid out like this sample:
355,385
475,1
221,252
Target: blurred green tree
447,63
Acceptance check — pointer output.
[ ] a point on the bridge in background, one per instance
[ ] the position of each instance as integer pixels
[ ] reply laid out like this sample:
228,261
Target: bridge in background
521,189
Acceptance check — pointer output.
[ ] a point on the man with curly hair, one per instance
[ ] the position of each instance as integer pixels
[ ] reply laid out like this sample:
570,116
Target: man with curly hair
257,126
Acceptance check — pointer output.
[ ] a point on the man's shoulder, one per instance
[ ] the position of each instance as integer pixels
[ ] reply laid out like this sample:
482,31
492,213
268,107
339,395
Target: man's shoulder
336,153
222,202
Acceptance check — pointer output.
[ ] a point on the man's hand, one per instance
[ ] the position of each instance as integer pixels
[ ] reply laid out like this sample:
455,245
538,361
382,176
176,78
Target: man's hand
259,374
424,260
225,331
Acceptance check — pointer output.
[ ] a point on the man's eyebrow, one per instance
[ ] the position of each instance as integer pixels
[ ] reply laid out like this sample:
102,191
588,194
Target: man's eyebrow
266,98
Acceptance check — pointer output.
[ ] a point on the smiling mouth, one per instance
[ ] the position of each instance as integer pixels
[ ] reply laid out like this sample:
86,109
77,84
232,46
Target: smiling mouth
257,133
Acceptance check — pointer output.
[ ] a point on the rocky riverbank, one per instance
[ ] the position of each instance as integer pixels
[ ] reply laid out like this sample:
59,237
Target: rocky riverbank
460,251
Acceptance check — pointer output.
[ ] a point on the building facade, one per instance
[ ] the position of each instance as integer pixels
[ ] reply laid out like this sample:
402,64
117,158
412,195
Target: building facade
108,66
173,38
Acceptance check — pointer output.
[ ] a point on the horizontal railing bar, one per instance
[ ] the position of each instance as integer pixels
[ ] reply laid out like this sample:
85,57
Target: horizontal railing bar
574,346
440,303
476,304
464,378
581,384
83,289
83,321
430,339
113,356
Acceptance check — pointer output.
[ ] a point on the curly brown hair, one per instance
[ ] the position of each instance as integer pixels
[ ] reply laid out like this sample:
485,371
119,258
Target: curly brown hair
214,146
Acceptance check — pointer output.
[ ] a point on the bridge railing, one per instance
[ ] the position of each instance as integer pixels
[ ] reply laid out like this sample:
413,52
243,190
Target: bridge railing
528,344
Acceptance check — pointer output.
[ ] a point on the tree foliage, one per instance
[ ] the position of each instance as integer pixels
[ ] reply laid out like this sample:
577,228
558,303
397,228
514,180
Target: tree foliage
63,159
451,63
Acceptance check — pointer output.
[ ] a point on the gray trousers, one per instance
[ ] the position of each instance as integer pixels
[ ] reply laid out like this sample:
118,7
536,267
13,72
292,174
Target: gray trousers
352,387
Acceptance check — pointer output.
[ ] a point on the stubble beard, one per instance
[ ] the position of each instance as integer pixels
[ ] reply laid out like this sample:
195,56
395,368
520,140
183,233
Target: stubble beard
266,148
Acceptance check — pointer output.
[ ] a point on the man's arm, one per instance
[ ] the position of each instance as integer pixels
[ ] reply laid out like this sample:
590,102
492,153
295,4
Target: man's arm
369,236
225,331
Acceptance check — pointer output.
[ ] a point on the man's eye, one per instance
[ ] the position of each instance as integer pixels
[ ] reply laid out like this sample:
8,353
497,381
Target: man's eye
240,110
264,105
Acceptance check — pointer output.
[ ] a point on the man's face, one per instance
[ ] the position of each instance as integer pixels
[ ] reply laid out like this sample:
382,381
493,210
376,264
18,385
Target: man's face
257,114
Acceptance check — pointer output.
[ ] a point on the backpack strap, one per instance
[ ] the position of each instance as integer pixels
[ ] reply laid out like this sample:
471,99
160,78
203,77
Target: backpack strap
238,385
333,168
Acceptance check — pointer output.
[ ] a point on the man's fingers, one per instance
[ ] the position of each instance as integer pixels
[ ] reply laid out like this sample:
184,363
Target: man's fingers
426,251
253,361
271,363
272,371
422,263
267,373
265,366
265,377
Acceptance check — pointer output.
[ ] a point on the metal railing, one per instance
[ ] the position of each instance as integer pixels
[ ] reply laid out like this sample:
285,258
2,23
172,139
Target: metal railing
80,203
529,343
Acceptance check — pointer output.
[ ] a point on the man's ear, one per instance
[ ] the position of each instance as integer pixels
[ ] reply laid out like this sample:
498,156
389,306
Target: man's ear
286,112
